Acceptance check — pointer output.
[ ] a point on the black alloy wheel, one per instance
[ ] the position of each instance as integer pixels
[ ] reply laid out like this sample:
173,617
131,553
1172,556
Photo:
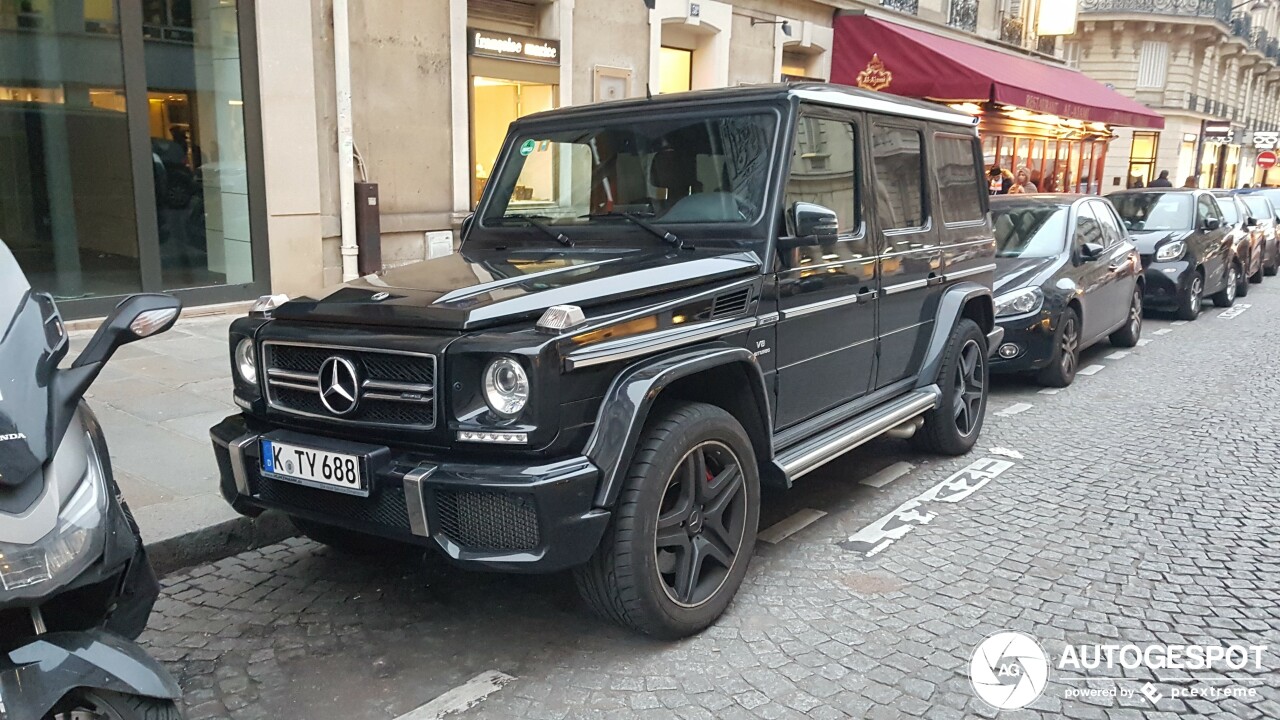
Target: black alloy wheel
1061,370
953,425
970,392
1226,297
1131,332
1192,297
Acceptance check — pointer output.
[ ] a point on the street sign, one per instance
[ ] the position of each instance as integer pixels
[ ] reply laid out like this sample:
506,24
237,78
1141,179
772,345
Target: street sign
1266,140
1267,159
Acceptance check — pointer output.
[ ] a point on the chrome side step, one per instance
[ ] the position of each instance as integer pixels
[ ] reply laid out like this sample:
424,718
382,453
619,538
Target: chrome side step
831,444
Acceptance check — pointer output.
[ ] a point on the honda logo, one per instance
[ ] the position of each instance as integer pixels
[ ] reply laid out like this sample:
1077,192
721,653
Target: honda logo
339,385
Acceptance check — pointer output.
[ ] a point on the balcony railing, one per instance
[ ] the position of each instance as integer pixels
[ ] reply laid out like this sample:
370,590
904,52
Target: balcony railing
964,15
910,7
1219,10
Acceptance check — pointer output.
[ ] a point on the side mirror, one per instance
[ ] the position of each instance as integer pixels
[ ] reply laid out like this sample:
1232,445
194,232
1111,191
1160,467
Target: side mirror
467,222
1251,221
136,317
1211,223
813,224
1090,252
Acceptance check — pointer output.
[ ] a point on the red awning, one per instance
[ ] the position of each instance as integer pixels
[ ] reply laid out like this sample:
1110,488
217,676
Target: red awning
881,55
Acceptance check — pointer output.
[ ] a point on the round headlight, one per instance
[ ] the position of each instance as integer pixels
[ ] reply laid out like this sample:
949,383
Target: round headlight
506,387
246,361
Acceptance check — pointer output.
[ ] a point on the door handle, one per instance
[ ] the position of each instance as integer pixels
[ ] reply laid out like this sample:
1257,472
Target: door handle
934,279
866,295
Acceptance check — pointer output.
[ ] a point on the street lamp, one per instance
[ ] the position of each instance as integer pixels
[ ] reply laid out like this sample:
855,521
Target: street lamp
786,26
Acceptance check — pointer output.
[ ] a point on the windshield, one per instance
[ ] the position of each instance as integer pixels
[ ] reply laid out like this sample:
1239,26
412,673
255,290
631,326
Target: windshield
1144,212
1229,210
666,171
1258,206
13,287
1030,231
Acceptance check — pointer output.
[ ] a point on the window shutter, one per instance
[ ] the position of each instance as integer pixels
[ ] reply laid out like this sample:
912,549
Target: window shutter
1153,61
515,12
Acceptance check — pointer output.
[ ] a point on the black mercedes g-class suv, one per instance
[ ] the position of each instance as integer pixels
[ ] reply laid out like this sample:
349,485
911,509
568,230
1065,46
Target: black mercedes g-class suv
659,306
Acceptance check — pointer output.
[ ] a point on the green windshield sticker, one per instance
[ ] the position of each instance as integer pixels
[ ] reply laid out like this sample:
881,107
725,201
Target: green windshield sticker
527,147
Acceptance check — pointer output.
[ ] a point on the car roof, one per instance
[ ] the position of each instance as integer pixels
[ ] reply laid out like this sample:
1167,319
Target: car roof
819,93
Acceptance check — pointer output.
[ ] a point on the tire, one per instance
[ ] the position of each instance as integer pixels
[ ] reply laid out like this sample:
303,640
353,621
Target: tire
1129,335
349,542
637,577
1192,297
1226,297
1242,281
1256,278
1271,268
1061,370
953,426
118,706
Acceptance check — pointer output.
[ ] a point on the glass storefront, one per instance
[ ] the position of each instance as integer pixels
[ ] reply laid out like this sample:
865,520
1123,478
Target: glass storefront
1142,159
1055,165
122,147
675,69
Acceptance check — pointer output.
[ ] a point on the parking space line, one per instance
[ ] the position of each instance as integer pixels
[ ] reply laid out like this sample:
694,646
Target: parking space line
461,698
1234,311
889,474
789,526
1118,355
1049,391
1014,409
1162,331
1144,342
882,533
1178,323
1006,452
1091,370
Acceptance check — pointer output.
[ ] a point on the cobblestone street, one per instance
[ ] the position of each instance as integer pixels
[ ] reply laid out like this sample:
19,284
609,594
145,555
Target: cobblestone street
1137,506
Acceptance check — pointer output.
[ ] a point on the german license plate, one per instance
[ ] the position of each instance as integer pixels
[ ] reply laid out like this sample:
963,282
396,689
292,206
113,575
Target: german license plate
313,467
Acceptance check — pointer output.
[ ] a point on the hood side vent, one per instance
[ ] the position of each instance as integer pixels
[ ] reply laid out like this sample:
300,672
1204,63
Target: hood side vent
730,303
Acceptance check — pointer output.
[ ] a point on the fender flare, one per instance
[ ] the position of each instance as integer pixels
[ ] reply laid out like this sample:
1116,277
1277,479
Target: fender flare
950,307
34,677
626,405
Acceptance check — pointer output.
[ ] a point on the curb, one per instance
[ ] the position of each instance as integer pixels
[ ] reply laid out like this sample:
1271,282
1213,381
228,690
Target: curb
219,541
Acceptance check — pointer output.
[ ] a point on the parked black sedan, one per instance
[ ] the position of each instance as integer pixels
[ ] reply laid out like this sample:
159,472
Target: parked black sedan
1186,248
1246,238
1262,208
1067,276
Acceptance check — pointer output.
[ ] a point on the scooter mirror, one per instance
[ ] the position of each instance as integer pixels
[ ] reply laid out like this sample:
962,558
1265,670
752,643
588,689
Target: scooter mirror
136,317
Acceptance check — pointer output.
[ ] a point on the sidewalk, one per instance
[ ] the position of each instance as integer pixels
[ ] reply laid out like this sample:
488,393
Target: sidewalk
157,399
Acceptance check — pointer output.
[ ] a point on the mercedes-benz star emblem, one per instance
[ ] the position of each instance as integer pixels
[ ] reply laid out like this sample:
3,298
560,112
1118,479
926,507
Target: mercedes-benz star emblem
379,296
339,385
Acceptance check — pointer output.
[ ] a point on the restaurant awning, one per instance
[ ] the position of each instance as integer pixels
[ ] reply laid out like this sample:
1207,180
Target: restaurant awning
882,55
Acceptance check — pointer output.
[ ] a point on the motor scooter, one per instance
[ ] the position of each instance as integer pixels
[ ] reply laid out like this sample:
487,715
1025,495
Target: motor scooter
75,584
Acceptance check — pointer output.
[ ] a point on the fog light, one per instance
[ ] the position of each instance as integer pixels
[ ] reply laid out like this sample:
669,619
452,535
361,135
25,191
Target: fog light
1009,350
506,438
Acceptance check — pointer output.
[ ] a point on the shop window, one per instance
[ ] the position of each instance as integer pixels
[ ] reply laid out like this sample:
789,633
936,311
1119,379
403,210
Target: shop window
959,195
675,70
899,177
1153,63
1142,158
497,103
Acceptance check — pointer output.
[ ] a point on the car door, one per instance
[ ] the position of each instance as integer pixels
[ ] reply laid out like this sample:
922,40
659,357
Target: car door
910,258
1214,243
1119,266
826,292
1090,276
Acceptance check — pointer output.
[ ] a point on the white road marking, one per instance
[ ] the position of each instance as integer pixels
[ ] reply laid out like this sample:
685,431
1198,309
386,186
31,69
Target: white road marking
1006,452
882,533
889,474
1162,331
1118,355
1014,409
1144,342
1234,311
1178,323
1091,370
463,697
787,527
1050,391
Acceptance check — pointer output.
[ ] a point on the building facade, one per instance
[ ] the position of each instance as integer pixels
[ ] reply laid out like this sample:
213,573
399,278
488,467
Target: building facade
1211,67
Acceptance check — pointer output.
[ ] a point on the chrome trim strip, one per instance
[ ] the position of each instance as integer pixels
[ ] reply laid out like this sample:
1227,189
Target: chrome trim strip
971,272
904,287
814,307
624,348
413,499
394,398
483,288
291,375
351,348
888,107
845,441
238,470
294,386
609,320
767,319
396,386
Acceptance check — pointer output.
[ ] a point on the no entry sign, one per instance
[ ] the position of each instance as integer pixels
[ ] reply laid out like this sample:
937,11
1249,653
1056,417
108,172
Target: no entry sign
1266,159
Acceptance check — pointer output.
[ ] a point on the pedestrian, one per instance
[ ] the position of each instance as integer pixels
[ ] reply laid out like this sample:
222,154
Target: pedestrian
1163,180
1136,182
998,182
1022,182
1191,182
1245,186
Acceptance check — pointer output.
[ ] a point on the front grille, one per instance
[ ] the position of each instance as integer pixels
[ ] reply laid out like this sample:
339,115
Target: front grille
385,507
397,389
485,520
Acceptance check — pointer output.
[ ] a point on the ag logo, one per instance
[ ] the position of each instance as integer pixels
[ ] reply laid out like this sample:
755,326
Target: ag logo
1008,670
875,76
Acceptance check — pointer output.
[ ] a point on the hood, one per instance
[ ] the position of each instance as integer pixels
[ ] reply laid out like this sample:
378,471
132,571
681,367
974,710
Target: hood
484,287
1146,242
1015,273
26,370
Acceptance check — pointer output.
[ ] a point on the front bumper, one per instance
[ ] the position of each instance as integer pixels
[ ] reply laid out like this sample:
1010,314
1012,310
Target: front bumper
1032,335
511,517
1165,283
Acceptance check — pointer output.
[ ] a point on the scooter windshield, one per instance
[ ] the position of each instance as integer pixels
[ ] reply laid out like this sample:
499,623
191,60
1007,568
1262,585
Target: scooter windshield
26,369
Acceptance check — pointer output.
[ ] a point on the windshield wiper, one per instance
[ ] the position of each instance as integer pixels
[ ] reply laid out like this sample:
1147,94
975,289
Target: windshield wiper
663,235
535,221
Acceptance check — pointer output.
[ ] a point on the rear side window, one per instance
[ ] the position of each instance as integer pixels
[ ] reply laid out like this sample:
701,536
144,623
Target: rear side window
959,187
1207,208
899,172
1110,226
1088,230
